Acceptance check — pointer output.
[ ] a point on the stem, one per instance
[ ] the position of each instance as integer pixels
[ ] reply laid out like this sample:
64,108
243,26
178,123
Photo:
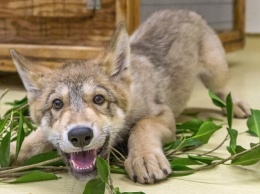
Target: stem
121,155
176,149
232,157
8,124
53,167
17,169
5,92
18,174
209,152
110,183
2,95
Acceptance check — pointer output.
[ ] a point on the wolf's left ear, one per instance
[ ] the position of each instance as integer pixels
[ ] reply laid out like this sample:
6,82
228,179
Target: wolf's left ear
117,56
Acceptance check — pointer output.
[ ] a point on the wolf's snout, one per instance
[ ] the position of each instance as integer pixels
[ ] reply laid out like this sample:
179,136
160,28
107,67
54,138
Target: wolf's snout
80,136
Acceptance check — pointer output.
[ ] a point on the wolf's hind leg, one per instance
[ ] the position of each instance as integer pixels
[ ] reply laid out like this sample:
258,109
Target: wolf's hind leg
33,144
146,162
214,72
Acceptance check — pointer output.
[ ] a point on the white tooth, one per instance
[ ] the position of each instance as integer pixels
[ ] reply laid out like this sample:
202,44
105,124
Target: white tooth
73,163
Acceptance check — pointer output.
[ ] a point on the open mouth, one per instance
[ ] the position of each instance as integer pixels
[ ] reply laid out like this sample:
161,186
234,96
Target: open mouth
84,161
83,164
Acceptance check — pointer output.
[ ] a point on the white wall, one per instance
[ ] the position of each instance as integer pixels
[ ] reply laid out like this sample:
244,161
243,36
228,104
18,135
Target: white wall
253,16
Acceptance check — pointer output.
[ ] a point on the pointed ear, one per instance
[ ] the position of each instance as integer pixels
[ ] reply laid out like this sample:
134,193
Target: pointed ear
31,74
116,58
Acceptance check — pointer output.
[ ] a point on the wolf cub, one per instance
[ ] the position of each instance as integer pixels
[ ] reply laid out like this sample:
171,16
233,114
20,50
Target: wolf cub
135,88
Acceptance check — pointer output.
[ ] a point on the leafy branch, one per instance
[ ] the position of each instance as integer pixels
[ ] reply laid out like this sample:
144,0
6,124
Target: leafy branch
15,125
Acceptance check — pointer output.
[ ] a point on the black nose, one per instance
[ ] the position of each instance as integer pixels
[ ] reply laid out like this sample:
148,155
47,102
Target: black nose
80,136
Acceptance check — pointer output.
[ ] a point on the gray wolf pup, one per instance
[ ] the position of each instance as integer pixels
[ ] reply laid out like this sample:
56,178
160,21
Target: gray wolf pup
134,89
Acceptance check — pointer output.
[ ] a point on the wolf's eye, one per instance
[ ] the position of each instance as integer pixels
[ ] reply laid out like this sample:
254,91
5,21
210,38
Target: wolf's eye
57,104
99,99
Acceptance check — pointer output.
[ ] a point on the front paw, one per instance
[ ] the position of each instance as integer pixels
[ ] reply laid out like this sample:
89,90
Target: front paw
147,167
241,109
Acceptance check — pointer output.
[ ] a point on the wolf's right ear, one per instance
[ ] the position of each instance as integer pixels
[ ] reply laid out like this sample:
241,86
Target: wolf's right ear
31,74
116,58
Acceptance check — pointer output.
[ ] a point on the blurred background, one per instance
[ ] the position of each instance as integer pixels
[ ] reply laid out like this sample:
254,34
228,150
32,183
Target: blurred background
52,31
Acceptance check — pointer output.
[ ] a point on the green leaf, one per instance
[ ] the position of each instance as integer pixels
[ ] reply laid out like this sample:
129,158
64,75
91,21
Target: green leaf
172,145
204,159
18,104
117,170
35,176
20,135
229,108
239,149
190,142
233,141
253,144
103,169
201,137
117,191
216,100
180,144
253,123
44,157
192,125
3,123
180,168
206,130
95,186
184,161
248,158
29,124
251,133
5,150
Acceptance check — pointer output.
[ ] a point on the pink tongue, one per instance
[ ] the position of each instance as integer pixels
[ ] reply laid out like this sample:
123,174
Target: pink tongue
83,159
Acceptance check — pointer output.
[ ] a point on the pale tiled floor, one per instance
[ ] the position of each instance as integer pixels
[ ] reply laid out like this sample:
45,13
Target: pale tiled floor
244,81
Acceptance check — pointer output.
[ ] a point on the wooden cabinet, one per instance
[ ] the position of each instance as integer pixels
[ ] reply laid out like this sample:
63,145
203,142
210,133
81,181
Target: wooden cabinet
52,31
235,39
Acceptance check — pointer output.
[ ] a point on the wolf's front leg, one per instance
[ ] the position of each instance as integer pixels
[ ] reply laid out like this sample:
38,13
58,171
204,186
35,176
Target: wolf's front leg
146,162
33,144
